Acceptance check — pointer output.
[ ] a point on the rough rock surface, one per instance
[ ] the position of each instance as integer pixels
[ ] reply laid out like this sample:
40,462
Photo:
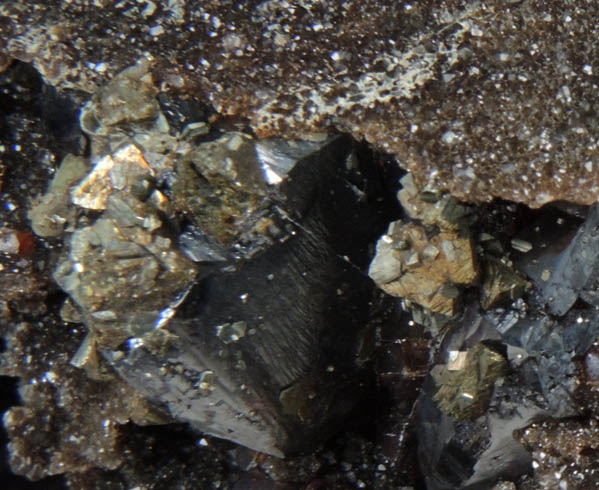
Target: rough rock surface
564,455
484,99
58,393
69,422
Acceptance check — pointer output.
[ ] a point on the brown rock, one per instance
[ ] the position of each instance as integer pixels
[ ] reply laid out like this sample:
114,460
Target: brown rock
482,99
564,453
68,422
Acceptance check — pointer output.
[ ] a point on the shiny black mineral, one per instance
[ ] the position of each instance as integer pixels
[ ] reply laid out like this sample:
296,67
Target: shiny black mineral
208,279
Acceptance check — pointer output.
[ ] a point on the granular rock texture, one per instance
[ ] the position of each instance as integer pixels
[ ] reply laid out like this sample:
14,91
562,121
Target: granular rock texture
493,99
564,455
69,423
122,197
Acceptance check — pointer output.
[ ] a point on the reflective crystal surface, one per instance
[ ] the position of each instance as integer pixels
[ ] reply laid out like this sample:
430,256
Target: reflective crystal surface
205,282
207,273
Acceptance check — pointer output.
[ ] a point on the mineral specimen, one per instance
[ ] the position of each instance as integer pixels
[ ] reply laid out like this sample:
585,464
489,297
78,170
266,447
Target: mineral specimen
50,216
574,272
220,278
452,89
465,384
58,430
425,270
40,340
501,284
467,416
432,208
237,371
426,263
564,454
471,391
189,242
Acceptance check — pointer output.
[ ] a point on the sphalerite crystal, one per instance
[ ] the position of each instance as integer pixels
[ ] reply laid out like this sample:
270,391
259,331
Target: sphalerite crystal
216,276
471,394
220,277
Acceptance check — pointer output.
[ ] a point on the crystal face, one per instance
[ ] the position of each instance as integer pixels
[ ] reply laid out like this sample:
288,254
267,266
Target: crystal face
205,272
204,285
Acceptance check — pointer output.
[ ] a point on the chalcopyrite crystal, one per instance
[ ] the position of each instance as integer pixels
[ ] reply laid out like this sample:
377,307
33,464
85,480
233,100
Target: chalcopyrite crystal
426,267
500,367
216,274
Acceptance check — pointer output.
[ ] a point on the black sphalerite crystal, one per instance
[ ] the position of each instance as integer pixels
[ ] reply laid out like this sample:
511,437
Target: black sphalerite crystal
267,353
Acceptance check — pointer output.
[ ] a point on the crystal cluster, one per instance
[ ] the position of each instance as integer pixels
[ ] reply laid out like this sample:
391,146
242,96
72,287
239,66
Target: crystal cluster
427,262
189,248
500,362
205,272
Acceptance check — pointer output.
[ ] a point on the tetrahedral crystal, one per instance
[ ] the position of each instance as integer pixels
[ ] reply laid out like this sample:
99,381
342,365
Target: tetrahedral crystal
217,277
